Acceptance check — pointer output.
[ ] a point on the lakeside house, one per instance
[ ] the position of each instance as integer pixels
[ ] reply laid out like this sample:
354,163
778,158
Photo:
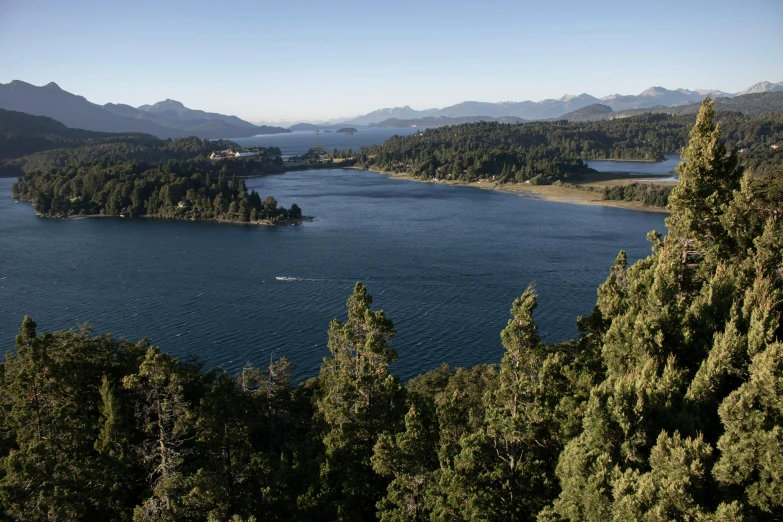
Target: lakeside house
223,154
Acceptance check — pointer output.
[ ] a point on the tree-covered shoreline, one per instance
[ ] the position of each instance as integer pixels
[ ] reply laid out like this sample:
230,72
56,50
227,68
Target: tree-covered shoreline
543,152
533,153
666,407
178,181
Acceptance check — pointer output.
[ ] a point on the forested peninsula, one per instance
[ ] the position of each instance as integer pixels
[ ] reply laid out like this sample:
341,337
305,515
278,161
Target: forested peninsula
68,172
666,407
545,152
553,152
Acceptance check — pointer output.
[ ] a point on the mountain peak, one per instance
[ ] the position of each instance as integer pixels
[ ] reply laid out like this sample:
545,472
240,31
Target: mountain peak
583,96
655,91
19,84
166,105
53,86
762,87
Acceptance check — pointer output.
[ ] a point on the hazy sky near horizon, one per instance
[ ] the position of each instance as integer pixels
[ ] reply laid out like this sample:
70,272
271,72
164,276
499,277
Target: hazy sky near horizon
297,60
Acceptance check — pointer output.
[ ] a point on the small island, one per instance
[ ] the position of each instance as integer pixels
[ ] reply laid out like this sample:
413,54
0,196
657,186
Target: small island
347,130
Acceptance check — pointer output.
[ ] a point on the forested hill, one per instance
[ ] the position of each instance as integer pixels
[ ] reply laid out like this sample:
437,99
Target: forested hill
545,152
667,406
23,123
22,134
587,113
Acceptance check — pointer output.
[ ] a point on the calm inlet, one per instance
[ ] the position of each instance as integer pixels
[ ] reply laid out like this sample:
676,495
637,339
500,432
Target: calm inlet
639,168
444,262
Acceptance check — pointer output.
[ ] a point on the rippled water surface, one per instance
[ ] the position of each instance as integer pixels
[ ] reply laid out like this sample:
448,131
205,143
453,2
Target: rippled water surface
444,262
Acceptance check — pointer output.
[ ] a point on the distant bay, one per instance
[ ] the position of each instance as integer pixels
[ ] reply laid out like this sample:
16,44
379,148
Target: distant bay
299,142
444,262
641,168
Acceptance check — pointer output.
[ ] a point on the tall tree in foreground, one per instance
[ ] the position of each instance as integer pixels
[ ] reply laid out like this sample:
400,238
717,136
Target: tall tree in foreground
505,469
359,399
47,408
63,440
165,419
683,327
708,178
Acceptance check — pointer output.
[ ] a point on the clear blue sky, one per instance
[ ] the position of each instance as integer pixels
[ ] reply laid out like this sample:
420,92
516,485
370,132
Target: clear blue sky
291,59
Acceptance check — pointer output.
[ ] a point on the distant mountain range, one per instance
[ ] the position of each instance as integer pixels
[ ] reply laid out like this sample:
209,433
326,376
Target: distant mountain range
171,119
556,108
166,119
442,121
749,104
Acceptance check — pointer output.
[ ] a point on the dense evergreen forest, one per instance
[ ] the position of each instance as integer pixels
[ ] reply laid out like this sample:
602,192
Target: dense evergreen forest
666,407
75,172
545,152
650,194
185,189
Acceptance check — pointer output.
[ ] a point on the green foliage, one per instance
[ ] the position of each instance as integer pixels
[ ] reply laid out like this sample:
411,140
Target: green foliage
667,407
708,179
650,194
506,467
543,152
752,445
51,391
410,458
358,401
180,189
87,173
170,443
683,326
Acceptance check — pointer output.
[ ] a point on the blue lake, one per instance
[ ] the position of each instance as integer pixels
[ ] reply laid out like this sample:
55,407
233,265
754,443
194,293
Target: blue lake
444,262
639,168
299,142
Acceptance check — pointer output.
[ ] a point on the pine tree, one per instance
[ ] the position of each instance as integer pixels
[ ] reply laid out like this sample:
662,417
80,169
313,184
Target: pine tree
505,469
708,178
165,419
118,464
752,445
410,458
359,400
677,331
50,393
232,472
